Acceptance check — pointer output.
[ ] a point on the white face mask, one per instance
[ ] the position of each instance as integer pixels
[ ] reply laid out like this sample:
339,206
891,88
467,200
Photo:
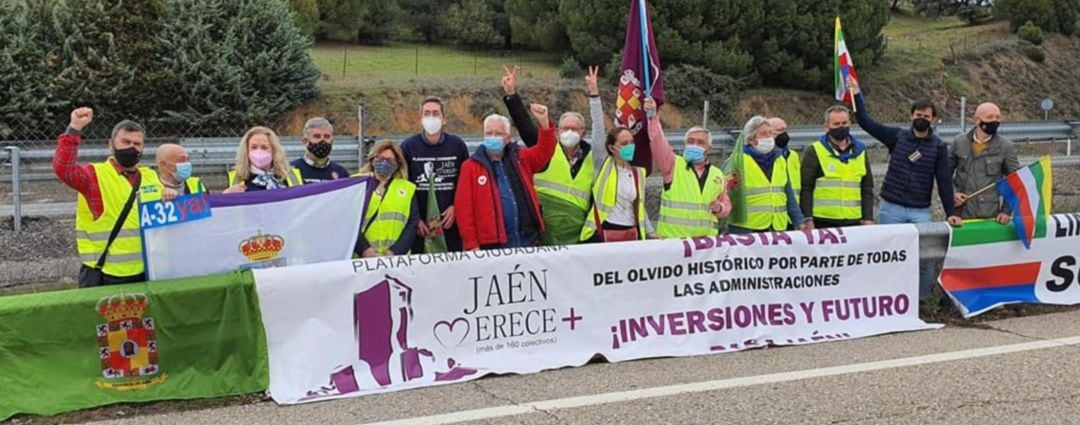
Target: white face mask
569,138
432,125
765,145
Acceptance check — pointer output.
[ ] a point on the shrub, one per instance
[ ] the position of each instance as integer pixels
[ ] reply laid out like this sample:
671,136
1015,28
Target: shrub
570,68
1035,53
688,86
1030,33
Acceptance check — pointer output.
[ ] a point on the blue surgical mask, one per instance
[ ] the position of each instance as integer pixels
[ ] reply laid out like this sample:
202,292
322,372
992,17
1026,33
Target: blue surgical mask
493,144
627,152
183,171
694,154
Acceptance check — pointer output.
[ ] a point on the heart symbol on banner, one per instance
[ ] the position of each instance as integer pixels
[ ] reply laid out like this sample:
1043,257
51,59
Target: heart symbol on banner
449,334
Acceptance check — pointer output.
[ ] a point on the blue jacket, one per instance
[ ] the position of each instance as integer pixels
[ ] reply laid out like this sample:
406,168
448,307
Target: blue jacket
911,183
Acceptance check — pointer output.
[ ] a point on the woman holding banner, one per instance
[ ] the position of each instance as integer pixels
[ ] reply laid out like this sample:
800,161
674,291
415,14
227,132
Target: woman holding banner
618,211
261,164
389,227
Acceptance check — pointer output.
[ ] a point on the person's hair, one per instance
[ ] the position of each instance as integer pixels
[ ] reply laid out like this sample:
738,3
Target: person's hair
127,125
699,129
318,122
399,156
923,104
436,100
750,129
496,117
580,118
836,108
613,136
279,166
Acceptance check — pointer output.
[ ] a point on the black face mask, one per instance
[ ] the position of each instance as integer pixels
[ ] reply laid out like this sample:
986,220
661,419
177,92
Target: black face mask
920,124
127,158
320,150
839,133
990,127
782,140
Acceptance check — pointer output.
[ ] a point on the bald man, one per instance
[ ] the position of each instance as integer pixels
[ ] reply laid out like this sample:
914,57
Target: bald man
780,135
979,158
174,171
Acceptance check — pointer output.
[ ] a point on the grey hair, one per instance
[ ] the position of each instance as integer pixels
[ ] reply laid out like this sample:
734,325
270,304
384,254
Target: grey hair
318,122
698,129
496,117
127,125
751,127
834,109
572,114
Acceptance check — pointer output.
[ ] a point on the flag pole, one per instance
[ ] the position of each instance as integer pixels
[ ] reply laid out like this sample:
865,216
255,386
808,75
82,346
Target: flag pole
645,56
994,184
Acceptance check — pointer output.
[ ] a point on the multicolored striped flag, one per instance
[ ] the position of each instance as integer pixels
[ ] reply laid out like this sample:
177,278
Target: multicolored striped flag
1028,193
843,67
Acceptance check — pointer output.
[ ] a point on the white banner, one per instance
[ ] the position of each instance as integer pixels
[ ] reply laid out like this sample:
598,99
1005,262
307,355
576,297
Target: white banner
301,225
366,326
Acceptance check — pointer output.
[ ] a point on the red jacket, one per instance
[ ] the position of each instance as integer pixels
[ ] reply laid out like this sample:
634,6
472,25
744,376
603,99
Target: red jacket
477,206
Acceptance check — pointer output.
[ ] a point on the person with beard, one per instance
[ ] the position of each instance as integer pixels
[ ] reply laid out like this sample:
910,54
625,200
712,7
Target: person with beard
917,159
837,182
106,227
979,158
315,166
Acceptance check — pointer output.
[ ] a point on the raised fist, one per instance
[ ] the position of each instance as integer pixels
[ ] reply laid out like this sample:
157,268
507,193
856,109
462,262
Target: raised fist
81,117
541,113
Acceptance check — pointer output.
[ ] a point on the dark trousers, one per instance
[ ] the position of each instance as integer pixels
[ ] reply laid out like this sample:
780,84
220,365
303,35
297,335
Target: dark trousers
90,277
453,241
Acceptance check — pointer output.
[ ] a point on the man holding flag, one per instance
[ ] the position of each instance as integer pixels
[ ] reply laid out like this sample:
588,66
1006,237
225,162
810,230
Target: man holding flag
979,158
639,79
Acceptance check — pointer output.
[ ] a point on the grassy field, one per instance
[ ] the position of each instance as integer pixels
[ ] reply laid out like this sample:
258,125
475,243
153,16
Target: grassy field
349,67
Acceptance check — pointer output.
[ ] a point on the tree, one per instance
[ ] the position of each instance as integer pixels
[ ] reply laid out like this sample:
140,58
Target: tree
381,20
536,24
424,16
235,63
340,20
972,11
93,67
26,77
595,28
1017,12
306,16
471,22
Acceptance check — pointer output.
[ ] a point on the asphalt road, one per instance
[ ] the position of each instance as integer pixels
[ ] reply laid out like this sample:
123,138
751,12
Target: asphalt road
1015,371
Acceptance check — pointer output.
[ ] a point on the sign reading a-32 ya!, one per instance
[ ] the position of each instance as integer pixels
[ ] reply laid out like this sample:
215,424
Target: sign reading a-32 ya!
381,324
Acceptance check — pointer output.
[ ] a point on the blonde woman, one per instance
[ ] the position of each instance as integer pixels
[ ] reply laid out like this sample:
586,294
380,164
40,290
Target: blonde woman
261,164
389,227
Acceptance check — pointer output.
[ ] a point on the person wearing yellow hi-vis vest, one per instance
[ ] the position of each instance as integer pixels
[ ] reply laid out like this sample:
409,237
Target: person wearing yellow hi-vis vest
838,185
782,138
104,189
694,199
618,212
261,164
770,198
564,185
389,226
174,172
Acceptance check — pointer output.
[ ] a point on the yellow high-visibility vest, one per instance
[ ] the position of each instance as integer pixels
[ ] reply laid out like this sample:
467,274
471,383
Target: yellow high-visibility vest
125,254
388,214
604,192
766,198
295,180
564,198
684,206
838,192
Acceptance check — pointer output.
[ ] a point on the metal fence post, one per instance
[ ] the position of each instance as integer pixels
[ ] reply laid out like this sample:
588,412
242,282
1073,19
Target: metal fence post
963,114
361,148
15,190
705,115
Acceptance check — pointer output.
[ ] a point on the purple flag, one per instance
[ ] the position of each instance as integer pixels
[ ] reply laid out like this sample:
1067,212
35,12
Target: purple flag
638,81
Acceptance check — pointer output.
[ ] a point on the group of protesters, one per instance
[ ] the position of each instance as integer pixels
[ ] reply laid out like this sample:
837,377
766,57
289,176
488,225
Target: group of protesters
565,183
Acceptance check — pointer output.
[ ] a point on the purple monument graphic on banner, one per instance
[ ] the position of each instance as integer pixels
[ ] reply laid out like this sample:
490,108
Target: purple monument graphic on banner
381,318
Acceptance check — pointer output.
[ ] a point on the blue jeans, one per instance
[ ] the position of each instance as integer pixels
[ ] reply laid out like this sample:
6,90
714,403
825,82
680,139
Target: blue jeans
891,213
